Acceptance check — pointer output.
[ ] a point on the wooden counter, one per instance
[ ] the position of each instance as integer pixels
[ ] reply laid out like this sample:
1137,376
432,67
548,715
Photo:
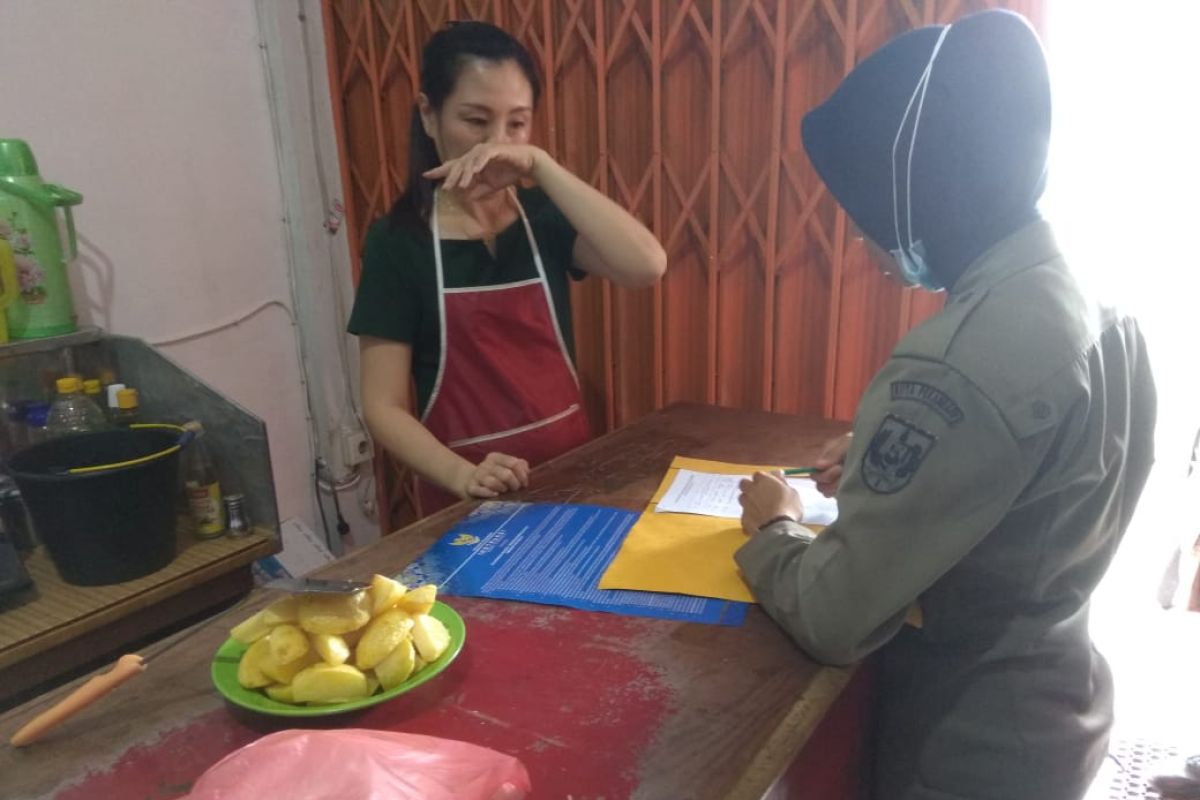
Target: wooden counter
64,625
595,705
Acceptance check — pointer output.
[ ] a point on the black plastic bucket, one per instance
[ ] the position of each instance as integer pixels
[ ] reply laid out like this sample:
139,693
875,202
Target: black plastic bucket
112,524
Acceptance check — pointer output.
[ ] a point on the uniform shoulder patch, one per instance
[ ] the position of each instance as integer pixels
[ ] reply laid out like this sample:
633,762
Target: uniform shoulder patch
894,454
928,395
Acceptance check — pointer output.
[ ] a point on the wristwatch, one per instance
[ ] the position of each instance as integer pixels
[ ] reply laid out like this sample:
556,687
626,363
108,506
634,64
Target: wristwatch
780,518
803,534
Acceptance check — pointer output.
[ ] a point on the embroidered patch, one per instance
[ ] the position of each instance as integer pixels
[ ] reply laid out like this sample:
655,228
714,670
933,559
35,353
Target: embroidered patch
894,455
928,395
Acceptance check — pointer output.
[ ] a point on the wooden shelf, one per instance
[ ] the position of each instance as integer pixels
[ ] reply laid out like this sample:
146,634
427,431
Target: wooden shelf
84,335
61,612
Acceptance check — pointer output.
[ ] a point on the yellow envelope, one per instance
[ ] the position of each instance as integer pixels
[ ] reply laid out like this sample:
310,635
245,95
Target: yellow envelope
690,553
683,553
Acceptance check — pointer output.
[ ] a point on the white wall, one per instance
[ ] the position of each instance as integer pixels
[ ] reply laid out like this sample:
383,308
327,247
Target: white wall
157,112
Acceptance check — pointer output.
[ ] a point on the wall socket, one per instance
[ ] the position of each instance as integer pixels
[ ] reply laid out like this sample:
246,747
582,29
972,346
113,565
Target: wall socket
356,447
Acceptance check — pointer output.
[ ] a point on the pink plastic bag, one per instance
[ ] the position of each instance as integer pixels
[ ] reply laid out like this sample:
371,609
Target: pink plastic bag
358,764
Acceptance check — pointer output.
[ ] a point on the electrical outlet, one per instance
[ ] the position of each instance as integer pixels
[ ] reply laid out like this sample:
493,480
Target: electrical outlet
356,447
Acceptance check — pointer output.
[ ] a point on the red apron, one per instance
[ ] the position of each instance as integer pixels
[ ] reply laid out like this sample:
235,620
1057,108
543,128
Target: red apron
505,382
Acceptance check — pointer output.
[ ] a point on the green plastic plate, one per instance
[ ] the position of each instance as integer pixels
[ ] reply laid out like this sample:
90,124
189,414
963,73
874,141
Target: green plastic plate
225,664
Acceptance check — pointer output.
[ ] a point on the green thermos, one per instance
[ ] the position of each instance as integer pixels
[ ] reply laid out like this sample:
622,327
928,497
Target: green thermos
30,222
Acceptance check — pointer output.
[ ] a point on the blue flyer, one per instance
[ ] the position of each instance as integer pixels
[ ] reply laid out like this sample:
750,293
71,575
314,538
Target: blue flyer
552,554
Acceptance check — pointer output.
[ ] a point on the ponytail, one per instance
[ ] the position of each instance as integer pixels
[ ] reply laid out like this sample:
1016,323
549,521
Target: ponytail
413,208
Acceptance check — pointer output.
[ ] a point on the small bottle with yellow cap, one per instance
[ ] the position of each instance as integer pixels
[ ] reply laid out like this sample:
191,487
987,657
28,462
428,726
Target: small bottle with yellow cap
127,411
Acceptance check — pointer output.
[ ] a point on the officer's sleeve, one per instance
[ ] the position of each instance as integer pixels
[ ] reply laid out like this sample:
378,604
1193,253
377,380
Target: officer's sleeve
933,467
387,302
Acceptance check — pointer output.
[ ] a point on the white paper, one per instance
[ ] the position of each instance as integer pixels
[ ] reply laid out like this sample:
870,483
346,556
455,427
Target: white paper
713,495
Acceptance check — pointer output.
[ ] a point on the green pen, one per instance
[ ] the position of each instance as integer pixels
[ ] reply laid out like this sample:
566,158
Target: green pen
795,471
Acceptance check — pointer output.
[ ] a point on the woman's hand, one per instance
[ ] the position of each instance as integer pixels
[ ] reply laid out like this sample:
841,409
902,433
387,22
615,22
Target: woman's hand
765,496
831,463
486,168
495,475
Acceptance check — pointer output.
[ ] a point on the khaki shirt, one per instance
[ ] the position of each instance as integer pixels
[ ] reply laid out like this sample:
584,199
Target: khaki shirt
997,458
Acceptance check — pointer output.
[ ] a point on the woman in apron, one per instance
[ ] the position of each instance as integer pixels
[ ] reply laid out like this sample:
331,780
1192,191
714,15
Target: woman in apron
464,289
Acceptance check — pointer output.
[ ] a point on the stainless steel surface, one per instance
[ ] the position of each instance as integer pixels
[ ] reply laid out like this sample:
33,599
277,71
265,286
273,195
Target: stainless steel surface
314,586
235,437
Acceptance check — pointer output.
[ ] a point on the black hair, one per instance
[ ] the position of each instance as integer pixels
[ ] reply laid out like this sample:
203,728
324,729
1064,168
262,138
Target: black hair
442,60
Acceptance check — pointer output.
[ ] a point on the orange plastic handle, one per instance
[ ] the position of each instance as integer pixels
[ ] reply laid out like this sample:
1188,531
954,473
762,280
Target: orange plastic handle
127,666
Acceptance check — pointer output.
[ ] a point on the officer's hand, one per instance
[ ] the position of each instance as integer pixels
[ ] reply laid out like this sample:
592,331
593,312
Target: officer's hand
497,474
767,495
830,462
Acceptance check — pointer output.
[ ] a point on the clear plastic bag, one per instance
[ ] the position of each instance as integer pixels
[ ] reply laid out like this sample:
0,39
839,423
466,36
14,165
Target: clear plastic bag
359,764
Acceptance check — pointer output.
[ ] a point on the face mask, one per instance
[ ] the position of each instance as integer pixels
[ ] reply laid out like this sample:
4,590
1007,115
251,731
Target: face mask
910,257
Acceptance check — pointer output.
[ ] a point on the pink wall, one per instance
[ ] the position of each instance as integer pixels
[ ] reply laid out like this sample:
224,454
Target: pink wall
158,113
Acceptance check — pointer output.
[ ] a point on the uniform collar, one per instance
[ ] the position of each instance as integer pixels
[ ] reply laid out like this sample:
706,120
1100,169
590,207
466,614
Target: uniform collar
1026,248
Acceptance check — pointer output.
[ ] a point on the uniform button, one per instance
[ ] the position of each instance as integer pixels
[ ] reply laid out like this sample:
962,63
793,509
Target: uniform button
1041,409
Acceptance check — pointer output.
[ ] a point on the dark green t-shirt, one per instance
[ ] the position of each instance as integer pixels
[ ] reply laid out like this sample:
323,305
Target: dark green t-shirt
397,291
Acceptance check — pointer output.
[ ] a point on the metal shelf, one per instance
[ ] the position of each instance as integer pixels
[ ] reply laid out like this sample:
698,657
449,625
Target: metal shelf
85,335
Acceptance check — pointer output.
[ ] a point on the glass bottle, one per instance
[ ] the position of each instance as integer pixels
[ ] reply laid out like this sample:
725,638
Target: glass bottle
235,513
127,411
202,487
72,411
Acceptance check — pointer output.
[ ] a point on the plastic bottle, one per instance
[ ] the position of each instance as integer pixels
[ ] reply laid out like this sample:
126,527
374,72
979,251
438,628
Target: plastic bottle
91,389
201,486
72,411
36,415
127,411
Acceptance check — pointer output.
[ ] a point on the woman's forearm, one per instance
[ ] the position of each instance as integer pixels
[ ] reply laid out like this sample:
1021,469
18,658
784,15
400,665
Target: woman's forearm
411,443
624,250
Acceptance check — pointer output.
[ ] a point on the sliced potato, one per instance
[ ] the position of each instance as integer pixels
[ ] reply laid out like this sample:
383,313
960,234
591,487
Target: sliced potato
288,643
419,600
250,674
430,637
334,613
281,693
385,593
399,664
285,673
250,630
381,637
331,647
299,648
324,683
281,611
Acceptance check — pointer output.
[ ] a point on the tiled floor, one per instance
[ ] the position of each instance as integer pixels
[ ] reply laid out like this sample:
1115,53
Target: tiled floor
1155,657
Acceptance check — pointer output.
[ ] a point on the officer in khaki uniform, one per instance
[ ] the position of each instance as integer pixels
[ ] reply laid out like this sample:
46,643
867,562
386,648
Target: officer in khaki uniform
998,455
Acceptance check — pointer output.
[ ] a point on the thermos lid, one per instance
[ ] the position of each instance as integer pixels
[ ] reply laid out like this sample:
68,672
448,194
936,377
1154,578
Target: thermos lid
16,159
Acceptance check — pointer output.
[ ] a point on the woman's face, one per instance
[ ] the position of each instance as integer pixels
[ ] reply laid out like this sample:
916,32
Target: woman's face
491,102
